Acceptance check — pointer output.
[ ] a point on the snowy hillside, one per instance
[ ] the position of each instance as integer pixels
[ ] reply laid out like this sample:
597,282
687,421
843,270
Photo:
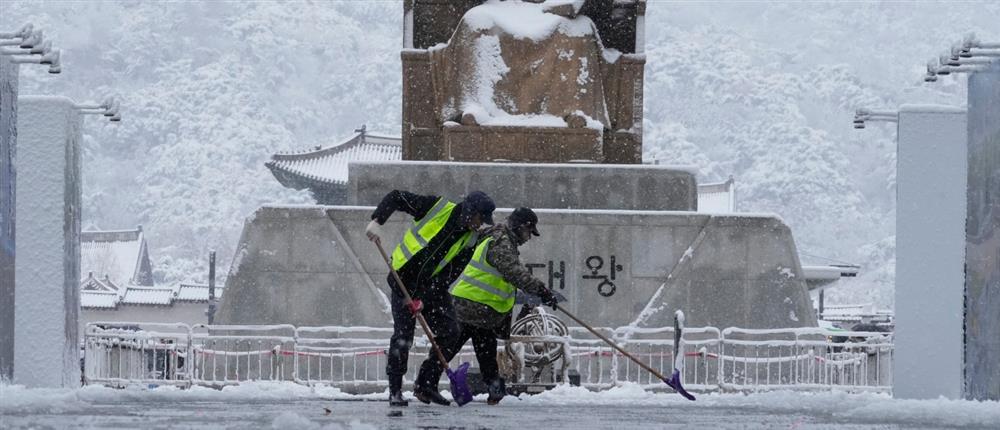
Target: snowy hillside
763,92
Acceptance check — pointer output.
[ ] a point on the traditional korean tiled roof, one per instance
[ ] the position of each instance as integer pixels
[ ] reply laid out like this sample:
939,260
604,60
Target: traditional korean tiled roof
328,166
92,283
195,293
145,296
98,299
856,313
148,296
119,255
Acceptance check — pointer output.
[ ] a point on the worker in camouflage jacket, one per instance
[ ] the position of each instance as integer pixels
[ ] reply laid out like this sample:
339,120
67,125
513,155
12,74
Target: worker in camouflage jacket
484,297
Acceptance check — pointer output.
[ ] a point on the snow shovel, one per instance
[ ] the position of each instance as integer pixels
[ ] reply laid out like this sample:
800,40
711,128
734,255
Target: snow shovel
674,381
459,387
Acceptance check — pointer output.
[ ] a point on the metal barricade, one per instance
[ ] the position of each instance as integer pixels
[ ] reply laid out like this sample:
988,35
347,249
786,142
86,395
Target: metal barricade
344,357
805,358
601,367
230,354
354,358
118,354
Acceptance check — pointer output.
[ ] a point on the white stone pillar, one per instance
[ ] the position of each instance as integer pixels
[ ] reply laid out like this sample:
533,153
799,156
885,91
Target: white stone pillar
47,270
982,287
930,252
8,138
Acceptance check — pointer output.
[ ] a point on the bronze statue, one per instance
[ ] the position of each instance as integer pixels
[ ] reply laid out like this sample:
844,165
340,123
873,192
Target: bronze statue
518,80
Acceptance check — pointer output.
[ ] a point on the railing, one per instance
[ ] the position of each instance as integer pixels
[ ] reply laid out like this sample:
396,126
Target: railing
805,358
353,358
348,357
117,354
230,354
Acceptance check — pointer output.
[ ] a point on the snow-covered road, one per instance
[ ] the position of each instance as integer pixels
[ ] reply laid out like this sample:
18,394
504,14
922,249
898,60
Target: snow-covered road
290,406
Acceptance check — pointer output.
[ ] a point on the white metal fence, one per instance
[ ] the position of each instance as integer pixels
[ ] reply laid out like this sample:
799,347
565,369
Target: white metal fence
124,353
354,358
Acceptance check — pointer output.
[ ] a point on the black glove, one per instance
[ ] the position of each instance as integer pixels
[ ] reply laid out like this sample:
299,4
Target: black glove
548,298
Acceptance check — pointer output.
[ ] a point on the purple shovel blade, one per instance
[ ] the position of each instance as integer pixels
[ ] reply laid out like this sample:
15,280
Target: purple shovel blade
459,388
675,383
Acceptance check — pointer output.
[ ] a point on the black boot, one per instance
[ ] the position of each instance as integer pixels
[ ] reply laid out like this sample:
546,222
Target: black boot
429,395
396,399
497,390
396,390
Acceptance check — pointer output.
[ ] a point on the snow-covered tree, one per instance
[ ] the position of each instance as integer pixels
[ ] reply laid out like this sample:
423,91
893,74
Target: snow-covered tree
762,92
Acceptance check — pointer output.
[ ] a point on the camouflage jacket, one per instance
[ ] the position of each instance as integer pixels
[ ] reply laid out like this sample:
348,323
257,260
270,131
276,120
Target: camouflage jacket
503,255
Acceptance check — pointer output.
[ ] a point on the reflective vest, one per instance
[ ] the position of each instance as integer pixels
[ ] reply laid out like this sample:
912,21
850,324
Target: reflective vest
482,283
416,238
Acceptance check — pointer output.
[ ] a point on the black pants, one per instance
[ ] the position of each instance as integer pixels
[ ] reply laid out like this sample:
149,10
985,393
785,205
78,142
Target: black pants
484,342
440,315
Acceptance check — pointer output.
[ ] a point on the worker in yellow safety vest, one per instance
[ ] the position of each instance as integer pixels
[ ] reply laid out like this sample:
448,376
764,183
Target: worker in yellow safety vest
433,252
484,296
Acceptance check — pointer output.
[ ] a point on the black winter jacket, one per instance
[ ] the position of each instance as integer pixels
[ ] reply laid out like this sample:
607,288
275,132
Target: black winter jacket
418,271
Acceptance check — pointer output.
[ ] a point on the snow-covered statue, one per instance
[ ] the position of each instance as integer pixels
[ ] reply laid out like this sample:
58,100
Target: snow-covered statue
523,80
520,63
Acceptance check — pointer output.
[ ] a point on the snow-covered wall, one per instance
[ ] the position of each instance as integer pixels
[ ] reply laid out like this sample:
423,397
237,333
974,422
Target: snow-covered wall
189,313
8,136
982,288
930,252
46,308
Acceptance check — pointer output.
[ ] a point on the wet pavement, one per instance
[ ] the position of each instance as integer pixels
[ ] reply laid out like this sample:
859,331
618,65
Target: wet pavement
355,414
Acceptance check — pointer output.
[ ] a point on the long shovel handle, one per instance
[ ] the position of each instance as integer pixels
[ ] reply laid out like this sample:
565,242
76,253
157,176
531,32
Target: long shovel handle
612,343
419,315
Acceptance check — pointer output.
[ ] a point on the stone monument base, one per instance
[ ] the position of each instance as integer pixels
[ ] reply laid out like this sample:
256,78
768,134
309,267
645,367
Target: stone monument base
313,265
555,186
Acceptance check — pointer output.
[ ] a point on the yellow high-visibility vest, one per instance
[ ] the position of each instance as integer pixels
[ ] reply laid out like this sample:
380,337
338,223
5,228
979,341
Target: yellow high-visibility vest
423,230
482,283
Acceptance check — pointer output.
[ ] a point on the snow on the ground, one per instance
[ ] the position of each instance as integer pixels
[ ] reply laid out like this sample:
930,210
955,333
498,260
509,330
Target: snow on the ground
865,407
18,399
292,420
286,420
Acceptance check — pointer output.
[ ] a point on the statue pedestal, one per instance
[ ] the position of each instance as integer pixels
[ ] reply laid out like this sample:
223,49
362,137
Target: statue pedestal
522,144
555,186
313,265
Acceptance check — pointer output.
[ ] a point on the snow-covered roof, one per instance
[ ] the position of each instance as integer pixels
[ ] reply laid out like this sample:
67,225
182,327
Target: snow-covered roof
119,255
148,296
92,283
195,293
145,296
822,276
831,272
98,299
328,165
855,313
